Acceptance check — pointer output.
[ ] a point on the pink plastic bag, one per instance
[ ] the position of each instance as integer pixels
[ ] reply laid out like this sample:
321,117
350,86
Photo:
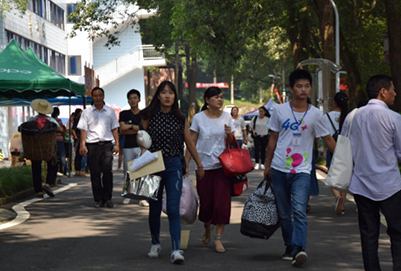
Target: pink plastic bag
188,203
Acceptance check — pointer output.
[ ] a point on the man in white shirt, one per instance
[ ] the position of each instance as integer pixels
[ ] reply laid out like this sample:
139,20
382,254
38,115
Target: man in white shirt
293,127
98,125
376,182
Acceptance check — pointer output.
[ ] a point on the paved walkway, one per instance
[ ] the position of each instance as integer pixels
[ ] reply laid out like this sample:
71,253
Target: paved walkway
67,233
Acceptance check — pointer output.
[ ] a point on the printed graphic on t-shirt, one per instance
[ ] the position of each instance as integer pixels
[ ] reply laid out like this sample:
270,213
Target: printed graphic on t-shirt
294,160
294,125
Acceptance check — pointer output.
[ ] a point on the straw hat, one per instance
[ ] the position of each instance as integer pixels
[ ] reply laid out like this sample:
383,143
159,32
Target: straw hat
42,106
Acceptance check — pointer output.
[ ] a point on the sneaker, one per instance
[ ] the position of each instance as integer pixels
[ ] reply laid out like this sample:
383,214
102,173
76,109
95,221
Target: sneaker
155,251
343,212
144,203
262,166
287,256
300,257
257,166
176,256
339,205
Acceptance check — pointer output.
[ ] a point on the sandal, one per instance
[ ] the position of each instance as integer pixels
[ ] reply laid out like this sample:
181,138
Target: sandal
207,234
219,249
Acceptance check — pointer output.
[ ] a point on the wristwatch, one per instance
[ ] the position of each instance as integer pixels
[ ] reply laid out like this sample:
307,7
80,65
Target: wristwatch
132,127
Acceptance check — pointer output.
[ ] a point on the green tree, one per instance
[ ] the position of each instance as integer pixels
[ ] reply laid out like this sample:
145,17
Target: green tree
393,13
16,6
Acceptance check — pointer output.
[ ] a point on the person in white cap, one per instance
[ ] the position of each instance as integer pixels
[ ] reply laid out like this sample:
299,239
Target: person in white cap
43,107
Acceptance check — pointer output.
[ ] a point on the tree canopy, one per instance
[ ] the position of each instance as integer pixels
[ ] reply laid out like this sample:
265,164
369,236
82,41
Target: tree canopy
249,38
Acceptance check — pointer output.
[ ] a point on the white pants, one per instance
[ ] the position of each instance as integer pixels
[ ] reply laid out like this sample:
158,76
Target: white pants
129,155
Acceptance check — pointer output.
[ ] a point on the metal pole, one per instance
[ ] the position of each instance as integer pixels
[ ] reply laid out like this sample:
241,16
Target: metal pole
337,44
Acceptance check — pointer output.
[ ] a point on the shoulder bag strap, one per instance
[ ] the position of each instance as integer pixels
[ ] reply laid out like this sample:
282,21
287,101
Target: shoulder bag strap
332,124
350,119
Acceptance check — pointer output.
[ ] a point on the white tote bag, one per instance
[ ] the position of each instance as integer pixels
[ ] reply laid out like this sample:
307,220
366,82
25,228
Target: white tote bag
340,172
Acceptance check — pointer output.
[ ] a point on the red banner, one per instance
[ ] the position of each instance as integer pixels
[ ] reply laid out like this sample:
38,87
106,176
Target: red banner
207,85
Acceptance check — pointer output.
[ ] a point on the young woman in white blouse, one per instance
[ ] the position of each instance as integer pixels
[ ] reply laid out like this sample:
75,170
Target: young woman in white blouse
209,131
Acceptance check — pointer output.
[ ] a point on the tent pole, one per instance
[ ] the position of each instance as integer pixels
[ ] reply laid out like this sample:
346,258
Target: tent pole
69,134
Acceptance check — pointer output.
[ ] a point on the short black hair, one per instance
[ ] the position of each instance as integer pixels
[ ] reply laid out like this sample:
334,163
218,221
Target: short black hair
97,88
299,74
376,83
133,91
56,112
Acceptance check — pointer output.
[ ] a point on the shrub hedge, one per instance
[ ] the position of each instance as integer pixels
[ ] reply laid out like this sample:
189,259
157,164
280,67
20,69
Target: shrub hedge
14,180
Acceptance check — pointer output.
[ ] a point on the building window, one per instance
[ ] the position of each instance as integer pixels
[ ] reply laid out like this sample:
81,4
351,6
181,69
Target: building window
74,65
50,57
48,10
70,9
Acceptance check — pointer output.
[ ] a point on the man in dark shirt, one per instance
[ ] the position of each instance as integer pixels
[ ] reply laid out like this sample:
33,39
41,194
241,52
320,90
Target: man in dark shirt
129,126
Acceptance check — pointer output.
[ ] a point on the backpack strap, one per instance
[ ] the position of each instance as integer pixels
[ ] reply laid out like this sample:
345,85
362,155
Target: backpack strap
332,124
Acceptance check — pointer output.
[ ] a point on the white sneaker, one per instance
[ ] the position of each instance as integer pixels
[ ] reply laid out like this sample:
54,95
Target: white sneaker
257,166
144,203
176,256
262,166
155,251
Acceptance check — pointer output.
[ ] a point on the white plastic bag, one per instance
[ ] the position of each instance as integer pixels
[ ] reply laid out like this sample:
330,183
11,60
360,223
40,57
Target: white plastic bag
188,202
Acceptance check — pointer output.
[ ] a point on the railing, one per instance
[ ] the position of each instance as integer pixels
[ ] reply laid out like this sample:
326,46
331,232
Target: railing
138,57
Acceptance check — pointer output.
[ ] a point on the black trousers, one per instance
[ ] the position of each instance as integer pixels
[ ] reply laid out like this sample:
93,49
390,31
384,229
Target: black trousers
78,156
369,227
260,148
37,174
100,160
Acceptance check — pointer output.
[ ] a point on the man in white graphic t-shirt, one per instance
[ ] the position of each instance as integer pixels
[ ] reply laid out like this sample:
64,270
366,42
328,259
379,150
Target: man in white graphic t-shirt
294,125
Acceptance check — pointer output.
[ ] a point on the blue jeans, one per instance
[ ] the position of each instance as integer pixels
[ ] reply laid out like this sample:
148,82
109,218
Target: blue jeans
328,159
291,191
172,180
61,154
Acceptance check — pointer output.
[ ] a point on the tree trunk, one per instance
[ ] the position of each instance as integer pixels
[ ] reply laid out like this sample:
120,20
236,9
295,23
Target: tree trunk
191,76
298,33
393,14
325,13
348,59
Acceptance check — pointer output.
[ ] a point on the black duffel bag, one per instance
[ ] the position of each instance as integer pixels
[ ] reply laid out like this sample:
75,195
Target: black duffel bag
260,217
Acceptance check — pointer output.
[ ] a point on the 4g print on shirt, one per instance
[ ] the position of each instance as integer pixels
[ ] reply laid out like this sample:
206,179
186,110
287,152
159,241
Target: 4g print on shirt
295,159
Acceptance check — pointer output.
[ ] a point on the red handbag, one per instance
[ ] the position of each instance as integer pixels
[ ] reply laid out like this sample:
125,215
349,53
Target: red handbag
239,184
235,161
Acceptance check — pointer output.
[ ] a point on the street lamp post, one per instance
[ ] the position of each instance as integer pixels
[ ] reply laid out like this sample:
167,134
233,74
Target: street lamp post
337,44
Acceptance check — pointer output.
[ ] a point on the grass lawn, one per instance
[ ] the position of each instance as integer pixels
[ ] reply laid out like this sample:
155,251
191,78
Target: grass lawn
14,180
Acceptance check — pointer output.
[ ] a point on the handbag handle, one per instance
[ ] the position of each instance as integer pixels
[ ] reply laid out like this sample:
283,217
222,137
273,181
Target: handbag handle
236,147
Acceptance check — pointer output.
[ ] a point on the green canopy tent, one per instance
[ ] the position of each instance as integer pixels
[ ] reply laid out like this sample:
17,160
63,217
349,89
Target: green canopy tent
24,75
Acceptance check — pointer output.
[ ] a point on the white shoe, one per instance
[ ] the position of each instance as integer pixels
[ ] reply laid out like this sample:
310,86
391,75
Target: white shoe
176,256
144,203
257,166
262,166
155,251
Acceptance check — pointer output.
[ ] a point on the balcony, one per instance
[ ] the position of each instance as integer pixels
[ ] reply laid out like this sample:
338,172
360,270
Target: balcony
136,58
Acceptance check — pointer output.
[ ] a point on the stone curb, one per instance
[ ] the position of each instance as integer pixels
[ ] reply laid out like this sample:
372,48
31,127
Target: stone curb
21,195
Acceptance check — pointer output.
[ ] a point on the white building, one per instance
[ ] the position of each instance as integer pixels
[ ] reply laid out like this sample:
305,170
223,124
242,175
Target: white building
44,27
120,68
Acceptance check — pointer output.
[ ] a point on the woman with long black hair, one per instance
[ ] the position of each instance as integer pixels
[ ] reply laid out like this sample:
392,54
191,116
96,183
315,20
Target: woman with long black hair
165,124
334,123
